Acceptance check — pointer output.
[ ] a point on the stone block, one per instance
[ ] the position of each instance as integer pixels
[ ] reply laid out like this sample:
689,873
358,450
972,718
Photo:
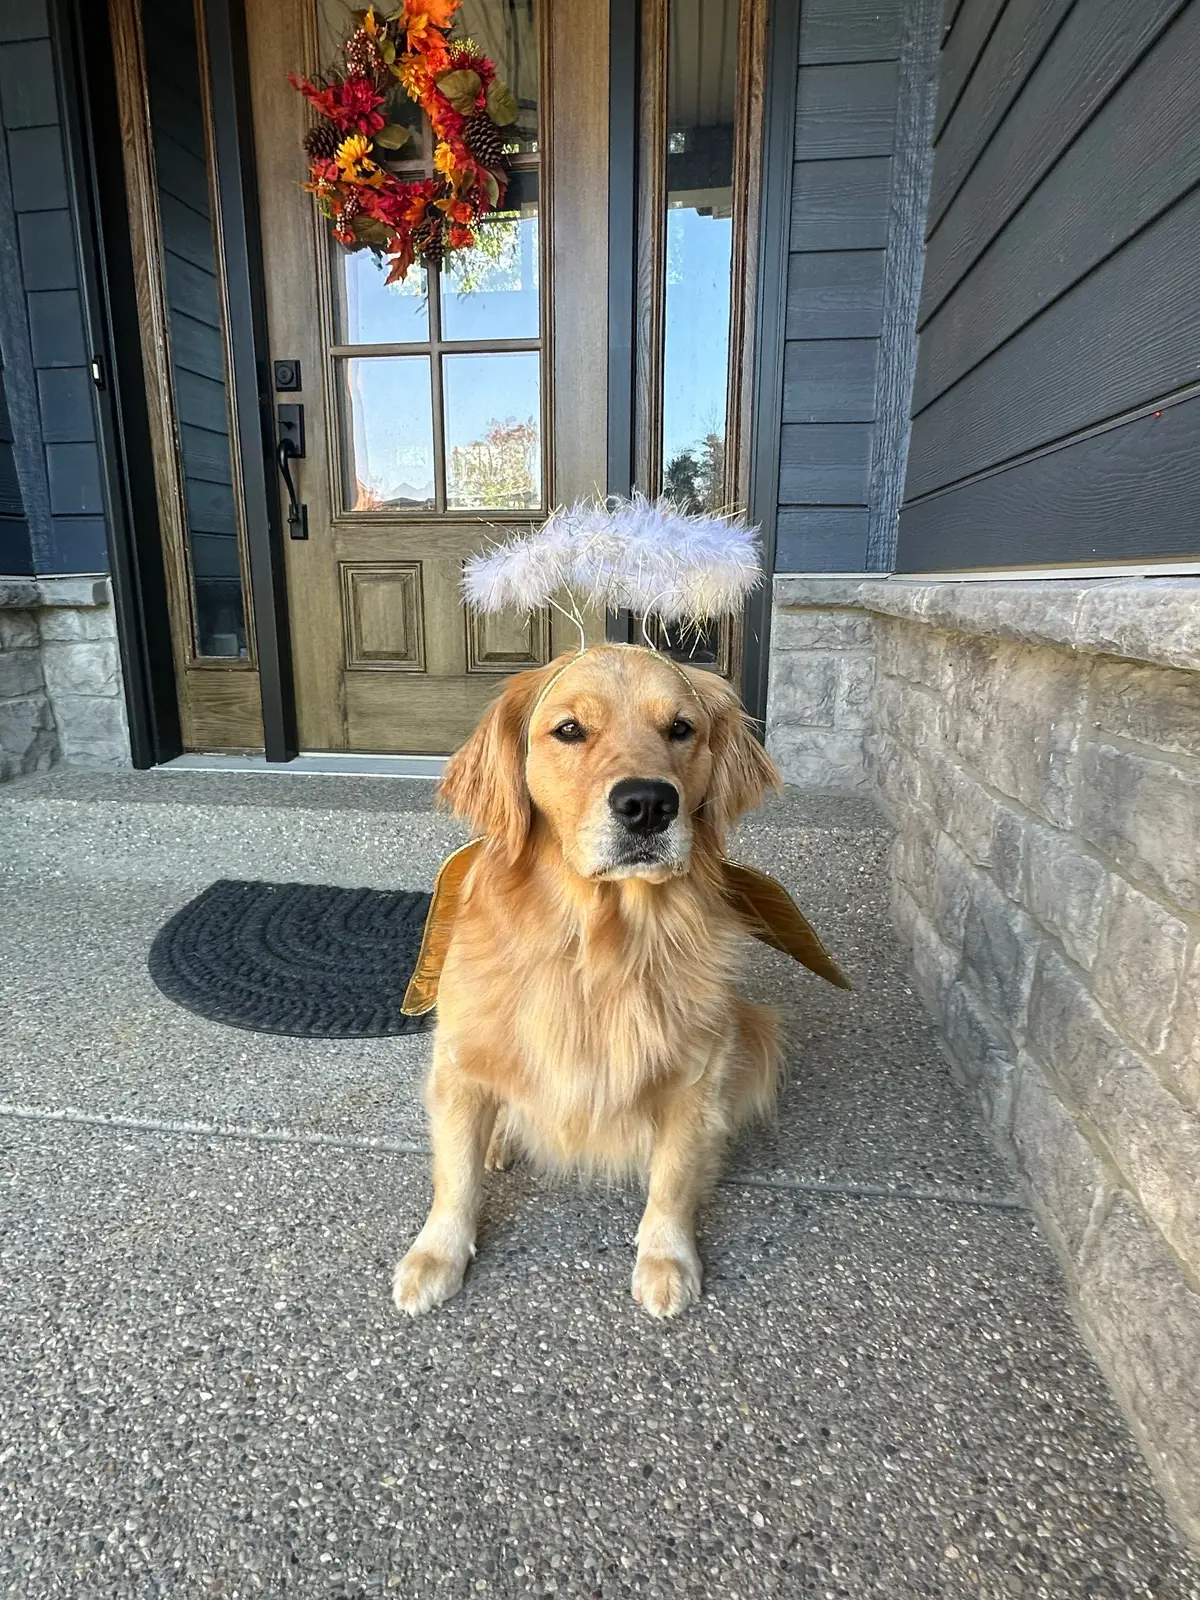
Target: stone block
72,591
991,833
819,758
935,964
1156,619
821,630
1152,705
852,698
803,689
27,736
1143,1320
999,947
20,594
20,674
897,773
1144,813
1065,889
1152,1138
914,854
1140,966
1016,716
82,667
950,890
69,623
92,730
910,714
18,630
983,1052
914,653
1180,1065
1066,1176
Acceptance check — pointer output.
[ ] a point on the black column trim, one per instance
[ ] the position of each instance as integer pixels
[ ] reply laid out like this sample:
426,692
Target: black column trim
99,208
624,31
251,373
779,118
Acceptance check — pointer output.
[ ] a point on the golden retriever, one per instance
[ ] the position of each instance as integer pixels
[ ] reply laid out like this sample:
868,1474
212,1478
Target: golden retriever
588,1011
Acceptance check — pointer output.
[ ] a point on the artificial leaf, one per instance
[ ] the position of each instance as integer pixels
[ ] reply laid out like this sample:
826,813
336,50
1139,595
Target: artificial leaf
461,87
501,103
388,51
493,188
392,136
371,231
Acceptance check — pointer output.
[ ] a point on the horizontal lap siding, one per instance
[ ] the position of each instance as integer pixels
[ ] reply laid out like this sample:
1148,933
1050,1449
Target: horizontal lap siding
50,449
845,127
1061,290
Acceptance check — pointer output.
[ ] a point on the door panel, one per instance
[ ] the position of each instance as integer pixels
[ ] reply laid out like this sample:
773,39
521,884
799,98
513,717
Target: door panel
440,415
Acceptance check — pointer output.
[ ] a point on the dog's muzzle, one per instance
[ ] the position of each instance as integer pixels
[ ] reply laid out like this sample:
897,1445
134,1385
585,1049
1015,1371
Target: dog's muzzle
643,834
644,806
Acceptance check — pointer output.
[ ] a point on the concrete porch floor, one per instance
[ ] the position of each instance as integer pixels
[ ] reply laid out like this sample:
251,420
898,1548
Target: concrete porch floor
204,1389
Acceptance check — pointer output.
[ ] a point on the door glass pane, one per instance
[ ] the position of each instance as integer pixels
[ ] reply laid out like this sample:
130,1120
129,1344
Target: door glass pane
493,431
699,241
491,291
195,335
505,31
387,433
373,311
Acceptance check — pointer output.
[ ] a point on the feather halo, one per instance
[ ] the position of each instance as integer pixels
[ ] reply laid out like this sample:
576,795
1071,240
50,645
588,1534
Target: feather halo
643,555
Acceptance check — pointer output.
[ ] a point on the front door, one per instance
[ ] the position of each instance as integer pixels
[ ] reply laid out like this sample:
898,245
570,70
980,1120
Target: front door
445,412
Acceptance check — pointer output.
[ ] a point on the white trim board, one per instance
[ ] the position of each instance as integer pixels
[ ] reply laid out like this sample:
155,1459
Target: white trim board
331,763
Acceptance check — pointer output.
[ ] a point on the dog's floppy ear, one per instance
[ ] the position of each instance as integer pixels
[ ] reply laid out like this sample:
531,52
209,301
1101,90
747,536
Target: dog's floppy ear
742,771
484,781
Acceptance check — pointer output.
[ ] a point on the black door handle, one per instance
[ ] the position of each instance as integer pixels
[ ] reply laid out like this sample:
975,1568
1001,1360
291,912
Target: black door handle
297,514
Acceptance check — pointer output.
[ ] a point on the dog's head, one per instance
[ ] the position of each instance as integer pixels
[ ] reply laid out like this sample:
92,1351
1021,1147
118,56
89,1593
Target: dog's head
624,755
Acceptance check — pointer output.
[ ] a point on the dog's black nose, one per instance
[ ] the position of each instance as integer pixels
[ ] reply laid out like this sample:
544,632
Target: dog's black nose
644,805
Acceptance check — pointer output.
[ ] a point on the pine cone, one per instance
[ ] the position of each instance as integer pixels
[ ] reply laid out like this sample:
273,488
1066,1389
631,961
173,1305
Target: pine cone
321,141
484,140
430,244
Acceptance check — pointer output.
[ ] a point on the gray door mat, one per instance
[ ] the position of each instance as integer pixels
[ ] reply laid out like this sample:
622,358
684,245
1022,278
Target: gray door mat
302,959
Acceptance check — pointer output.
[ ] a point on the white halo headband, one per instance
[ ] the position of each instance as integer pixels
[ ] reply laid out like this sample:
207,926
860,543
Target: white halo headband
645,556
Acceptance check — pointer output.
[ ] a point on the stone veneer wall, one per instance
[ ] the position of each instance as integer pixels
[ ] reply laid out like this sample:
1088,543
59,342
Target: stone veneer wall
1038,746
60,676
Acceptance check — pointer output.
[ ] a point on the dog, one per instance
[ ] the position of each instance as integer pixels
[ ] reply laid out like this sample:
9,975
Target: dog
588,1011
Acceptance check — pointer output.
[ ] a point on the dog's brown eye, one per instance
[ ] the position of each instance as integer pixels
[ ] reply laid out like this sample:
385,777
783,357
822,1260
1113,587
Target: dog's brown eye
570,733
680,729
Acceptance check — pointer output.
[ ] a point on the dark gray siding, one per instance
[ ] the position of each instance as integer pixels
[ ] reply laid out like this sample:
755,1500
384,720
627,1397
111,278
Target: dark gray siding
46,379
1053,409
845,235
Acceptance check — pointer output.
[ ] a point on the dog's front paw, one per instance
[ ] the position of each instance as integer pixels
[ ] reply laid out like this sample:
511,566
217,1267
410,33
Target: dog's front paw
666,1285
424,1279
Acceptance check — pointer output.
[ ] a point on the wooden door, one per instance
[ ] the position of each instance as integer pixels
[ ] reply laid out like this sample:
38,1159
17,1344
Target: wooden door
444,413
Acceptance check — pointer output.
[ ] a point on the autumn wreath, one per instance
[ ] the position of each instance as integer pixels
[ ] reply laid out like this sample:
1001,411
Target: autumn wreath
350,149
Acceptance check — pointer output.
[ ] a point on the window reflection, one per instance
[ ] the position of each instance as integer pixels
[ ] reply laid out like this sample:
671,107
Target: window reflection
491,291
387,426
493,431
373,311
195,334
701,87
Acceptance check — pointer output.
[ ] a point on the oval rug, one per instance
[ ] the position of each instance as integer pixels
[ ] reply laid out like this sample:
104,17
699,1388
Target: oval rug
294,958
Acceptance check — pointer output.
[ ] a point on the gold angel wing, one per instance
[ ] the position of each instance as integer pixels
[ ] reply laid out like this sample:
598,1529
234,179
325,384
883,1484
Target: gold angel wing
773,916
765,906
422,991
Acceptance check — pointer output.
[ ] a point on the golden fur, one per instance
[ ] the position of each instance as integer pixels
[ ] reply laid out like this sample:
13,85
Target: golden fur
588,1014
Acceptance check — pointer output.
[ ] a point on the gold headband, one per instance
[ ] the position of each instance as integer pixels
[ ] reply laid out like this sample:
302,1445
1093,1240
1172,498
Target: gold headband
616,645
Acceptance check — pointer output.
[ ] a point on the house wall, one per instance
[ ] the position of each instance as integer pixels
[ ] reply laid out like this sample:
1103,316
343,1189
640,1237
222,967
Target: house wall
1054,409
858,187
1038,743
60,681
